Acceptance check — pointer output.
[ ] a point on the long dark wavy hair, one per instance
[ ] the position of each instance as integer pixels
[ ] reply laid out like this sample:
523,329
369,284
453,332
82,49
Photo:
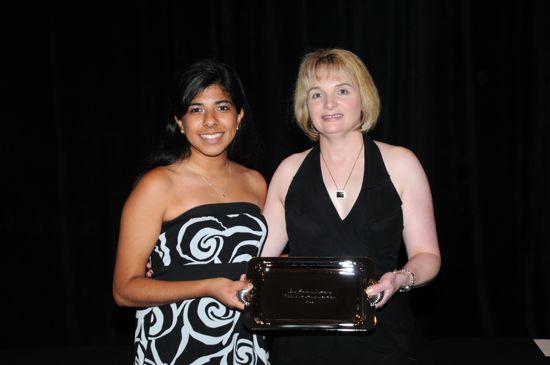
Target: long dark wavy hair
195,79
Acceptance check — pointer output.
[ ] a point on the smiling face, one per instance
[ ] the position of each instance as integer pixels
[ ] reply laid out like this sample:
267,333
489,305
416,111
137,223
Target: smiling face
334,103
210,122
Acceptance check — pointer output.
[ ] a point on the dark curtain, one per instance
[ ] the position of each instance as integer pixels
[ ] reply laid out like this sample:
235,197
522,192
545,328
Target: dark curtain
85,87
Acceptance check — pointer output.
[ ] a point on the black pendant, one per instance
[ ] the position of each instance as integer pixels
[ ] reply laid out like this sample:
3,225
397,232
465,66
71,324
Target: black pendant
340,194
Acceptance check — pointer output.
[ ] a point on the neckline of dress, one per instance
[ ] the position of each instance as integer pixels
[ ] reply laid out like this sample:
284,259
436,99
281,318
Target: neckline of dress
326,193
208,205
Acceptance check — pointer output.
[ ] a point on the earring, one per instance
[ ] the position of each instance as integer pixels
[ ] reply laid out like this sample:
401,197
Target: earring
182,131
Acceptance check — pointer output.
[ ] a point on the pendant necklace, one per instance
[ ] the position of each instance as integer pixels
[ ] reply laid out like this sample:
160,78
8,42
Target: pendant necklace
219,191
341,193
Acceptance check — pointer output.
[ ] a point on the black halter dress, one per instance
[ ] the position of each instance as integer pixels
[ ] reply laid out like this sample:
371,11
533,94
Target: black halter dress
373,228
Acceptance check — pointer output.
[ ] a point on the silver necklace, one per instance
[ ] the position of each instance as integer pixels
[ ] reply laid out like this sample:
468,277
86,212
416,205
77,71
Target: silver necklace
217,190
341,193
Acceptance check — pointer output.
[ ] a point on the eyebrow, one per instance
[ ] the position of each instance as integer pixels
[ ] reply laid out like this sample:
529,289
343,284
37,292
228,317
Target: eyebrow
338,85
216,103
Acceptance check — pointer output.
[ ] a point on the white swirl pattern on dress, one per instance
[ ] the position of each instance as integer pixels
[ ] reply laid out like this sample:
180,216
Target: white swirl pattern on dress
204,247
162,250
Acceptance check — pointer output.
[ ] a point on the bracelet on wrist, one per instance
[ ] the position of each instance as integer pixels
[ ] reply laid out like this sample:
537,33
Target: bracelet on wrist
410,285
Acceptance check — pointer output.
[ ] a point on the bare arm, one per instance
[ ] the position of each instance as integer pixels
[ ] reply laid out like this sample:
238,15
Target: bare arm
274,209
141,221
419,231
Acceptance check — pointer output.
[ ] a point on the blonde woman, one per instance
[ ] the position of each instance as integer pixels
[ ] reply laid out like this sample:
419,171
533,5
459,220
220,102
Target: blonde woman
351,196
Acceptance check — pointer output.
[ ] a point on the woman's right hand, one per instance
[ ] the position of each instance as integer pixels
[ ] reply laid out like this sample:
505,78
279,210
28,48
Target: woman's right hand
149,270
225,290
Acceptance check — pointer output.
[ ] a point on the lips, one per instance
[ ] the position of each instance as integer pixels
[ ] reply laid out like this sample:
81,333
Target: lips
211,137
332,116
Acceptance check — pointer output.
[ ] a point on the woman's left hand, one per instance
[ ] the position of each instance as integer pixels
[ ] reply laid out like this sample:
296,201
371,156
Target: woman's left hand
387,285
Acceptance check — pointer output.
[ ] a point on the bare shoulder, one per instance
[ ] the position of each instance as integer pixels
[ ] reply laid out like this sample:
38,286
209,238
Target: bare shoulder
395,154
157,179
403,166
278,186
253,179
153,186
397,158
249,185
290,165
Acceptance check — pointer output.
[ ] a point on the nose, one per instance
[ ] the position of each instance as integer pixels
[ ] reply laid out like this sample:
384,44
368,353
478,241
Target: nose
329,102
209,120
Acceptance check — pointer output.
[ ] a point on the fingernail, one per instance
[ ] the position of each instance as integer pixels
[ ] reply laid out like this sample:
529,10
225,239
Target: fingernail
370,290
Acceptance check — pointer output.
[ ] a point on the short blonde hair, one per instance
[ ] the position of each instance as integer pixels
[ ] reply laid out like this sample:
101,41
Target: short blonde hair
335,60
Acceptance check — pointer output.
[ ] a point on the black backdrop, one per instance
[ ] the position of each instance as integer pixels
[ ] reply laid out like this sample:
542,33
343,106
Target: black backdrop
464,84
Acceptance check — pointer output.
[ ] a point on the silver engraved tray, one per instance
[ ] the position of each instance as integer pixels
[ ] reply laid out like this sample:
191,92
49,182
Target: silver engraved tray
310,293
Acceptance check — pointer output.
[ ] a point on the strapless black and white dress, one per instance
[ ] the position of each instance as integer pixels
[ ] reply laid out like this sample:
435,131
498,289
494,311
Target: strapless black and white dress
207,241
